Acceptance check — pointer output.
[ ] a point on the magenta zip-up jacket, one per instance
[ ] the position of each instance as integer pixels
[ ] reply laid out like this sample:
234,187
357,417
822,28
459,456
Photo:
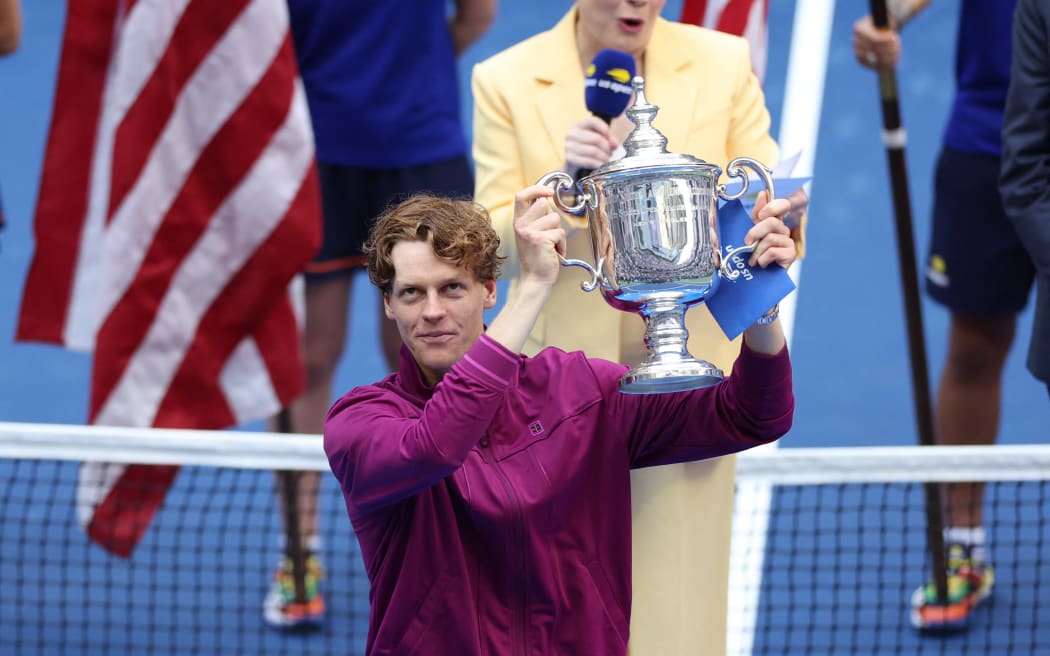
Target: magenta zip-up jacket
493,510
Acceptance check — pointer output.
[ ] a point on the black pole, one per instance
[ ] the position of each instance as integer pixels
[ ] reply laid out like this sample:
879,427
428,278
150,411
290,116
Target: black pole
290,496
893,139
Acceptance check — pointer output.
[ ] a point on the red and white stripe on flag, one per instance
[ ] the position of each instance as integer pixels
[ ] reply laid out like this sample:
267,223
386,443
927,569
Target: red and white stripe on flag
178,204
746,18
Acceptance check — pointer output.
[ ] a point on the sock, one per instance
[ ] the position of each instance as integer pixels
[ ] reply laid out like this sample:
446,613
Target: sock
311,543
971,536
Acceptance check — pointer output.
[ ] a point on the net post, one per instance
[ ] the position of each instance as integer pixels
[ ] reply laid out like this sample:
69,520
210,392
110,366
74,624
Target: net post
891,123
289,480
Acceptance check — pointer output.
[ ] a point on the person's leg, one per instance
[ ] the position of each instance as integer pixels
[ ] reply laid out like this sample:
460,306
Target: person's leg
327,310
968,400
294,600
345,196
978,271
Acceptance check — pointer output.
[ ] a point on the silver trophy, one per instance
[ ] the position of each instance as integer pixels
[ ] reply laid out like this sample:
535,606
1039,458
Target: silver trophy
653,223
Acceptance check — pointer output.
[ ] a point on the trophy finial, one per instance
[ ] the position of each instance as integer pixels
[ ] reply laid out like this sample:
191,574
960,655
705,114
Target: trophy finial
638,84
644,139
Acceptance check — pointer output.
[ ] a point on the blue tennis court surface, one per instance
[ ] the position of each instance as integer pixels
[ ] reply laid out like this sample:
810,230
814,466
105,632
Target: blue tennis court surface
849,346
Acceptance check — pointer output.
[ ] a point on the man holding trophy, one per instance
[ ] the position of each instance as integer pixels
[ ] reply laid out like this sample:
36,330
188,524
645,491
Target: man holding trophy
530,119
490,491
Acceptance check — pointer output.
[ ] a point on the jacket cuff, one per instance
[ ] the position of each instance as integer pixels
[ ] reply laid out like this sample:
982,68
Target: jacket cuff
490,361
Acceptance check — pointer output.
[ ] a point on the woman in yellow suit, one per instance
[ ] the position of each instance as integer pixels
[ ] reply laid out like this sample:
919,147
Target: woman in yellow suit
530,119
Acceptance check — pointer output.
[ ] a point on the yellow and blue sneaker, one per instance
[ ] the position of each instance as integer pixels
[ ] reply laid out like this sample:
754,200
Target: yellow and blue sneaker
282,610
969,583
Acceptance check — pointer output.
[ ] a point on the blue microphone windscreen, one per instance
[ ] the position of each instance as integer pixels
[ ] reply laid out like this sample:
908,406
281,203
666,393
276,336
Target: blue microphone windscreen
608,87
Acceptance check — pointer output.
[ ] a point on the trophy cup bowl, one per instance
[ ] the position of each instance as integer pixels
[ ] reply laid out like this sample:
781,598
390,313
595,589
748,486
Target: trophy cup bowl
653,225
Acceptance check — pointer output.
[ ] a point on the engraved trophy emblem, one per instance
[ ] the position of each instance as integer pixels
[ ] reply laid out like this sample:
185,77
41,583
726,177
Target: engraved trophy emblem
653,224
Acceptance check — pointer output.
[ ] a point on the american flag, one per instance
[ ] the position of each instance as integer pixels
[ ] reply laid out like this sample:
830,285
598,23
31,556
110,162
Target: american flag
746,18
178,202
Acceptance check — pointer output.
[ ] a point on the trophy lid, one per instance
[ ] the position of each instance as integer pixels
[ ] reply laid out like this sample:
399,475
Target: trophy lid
646,146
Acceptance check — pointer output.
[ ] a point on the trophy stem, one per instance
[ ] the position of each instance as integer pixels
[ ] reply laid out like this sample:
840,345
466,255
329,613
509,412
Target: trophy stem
665,331
668,367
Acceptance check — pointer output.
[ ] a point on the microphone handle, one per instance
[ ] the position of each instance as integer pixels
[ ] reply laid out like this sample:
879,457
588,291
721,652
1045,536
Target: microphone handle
583,173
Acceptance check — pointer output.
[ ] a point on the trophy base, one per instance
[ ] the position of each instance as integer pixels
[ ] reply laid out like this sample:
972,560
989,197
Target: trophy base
654,377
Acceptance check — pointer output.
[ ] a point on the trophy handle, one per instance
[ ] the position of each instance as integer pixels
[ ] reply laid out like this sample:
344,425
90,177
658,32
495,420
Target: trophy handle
735,169
562,182
587,285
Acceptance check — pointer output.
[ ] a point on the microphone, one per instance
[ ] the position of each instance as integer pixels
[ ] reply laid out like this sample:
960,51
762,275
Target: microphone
607,89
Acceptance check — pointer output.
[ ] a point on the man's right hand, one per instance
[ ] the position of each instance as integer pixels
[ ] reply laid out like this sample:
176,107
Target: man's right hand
538,235
540,239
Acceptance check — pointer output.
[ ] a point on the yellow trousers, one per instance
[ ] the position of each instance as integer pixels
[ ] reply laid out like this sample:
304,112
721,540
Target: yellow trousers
682,526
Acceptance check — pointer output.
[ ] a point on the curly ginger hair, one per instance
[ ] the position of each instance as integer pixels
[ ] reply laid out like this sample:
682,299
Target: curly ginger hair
460,232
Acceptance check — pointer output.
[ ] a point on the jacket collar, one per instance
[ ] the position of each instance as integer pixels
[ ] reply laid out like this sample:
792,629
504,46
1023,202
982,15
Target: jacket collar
411,378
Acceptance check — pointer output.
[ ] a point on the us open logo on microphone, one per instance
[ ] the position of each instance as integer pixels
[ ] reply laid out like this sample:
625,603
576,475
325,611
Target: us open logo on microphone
607,89
617,80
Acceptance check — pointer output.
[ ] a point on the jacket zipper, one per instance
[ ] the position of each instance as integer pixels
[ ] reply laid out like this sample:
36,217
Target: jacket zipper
520,621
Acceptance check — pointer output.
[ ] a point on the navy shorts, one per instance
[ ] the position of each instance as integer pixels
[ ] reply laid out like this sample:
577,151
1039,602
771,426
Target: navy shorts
352,198
977,265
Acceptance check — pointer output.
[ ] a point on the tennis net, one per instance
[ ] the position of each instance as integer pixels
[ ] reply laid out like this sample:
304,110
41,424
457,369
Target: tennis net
828,545
196,581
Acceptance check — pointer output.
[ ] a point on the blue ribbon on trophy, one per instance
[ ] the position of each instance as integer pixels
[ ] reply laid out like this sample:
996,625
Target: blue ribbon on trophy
745,298
742,300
